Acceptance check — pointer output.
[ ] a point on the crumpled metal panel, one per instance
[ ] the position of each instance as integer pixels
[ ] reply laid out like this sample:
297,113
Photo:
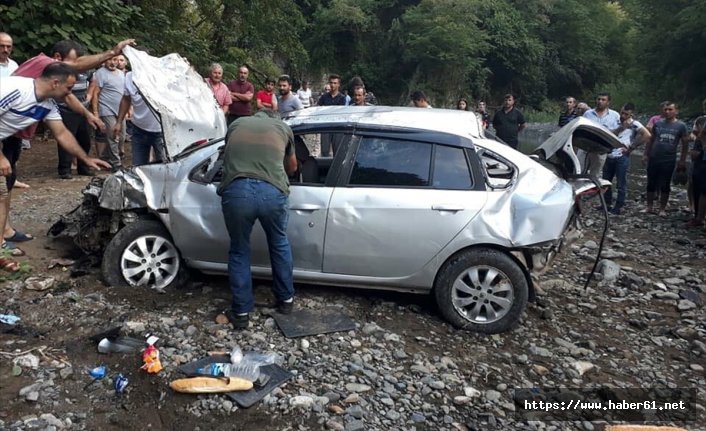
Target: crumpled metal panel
122,190
536,210
182,98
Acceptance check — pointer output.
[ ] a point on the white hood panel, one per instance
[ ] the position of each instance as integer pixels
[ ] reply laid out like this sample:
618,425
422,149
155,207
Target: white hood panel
180,97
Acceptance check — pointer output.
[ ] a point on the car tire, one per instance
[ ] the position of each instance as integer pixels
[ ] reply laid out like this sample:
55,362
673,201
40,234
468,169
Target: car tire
143,254
482,290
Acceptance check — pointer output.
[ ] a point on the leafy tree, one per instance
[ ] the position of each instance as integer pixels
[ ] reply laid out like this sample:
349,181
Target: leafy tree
36,24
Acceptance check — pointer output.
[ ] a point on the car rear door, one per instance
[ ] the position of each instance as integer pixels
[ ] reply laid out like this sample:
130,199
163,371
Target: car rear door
401,201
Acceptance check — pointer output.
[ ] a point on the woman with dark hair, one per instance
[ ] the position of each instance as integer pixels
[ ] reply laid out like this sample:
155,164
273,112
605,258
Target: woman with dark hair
462,104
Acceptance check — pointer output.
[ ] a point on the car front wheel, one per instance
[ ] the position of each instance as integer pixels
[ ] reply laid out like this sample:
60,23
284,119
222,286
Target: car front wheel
142,254
482,290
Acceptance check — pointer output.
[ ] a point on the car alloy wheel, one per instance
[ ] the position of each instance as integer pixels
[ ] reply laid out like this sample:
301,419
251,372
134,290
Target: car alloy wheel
482,294
142,253
482,290
150,260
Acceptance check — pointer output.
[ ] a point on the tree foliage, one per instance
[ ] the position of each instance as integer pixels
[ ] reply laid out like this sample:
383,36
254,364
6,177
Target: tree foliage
541,50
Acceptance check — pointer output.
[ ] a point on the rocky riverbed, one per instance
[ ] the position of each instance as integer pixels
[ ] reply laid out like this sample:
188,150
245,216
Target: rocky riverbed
640,323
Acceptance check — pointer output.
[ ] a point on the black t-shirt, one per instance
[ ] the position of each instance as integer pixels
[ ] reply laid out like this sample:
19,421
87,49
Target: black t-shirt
506,125
327,100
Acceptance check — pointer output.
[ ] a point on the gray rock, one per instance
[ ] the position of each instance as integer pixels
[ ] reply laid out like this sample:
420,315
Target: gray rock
685,305
357,387
191,330
418,417
66,372
32,396
30,388
301,401
356,425
540,351
227,405
691,296
393,415
609,269
355,411
665,295
492,395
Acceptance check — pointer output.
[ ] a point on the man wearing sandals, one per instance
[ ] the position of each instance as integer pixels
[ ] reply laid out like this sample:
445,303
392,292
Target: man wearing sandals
25,101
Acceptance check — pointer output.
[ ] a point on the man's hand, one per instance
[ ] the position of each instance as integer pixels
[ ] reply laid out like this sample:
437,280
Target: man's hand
116,129
119,47
95,122
5,168
96,164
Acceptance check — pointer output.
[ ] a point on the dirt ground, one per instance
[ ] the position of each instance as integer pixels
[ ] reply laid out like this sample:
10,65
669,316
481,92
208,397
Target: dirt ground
62,322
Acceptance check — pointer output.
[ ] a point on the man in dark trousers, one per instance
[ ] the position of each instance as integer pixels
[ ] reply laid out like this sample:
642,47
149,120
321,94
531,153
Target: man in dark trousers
259,157
508,122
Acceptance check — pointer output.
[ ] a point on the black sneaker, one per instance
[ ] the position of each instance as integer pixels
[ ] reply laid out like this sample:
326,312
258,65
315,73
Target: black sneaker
238,321
285,307
88,173
65,176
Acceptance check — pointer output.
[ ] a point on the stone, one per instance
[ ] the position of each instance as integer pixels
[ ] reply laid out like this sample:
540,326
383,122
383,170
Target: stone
39,283
583,367
696,367
685,305
352,398
191,330
301,401
227,405
392,415
692,296
609,269
462,400
27,361
540,351
418,417
333,425
665,295
336,409
355,411
356,425
304,344
32,396
471,392
357,387
492,395
222,319
540,369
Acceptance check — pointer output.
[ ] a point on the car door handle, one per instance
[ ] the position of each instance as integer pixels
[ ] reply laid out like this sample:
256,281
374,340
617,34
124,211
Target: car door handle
447,207
306,207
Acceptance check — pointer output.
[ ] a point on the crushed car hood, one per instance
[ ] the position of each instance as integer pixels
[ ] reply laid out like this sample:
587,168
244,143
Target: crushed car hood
581,134
179,96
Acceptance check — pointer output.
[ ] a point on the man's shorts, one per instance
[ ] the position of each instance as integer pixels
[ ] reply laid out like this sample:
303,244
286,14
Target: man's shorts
11,148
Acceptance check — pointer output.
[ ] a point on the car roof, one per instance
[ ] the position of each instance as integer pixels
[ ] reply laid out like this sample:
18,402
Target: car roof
461,123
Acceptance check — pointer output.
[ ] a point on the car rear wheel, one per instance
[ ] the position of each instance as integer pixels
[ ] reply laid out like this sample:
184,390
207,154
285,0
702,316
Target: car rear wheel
482,290
142,254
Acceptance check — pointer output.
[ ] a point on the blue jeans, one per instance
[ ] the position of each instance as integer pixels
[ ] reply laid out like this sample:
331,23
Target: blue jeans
142,142
617,167
243,201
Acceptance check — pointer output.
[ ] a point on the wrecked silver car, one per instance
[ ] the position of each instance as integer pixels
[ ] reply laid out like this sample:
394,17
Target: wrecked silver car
414,200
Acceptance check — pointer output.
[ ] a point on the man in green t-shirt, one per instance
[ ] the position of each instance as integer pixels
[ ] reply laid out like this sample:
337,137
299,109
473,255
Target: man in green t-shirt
259,156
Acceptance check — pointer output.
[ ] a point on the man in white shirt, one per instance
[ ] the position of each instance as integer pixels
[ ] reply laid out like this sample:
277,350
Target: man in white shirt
25,101
147,129
606,117
7,65
631,134
304,95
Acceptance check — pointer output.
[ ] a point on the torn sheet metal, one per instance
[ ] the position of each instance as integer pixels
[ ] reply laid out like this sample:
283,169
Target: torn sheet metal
122,190
180,96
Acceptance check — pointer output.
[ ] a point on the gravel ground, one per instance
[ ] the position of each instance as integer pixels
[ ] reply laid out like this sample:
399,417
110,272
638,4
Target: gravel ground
640,323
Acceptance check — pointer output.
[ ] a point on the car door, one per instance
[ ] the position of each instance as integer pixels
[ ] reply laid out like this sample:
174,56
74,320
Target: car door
310,193
403,201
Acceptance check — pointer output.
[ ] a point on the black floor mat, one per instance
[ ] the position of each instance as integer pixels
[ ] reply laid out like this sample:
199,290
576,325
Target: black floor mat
301,323
245,399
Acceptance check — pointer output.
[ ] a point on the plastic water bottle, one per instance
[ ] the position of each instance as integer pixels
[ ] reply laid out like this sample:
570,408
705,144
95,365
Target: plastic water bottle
244,369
